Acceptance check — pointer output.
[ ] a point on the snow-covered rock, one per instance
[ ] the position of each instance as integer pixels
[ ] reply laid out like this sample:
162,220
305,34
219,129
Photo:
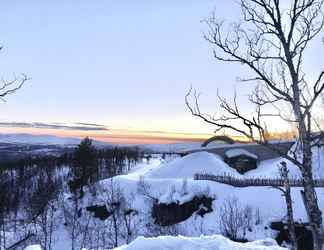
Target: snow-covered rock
214,242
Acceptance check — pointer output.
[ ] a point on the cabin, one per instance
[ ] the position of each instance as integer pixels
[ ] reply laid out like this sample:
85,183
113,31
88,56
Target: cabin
241,160
242,156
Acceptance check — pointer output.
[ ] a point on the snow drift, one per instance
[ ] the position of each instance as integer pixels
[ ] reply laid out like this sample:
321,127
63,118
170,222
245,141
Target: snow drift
33,247
187,166
214,242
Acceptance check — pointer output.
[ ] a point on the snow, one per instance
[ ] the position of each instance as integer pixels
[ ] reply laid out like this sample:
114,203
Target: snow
270,169
182,194
33,247
225,145
170,147
189,165
239,151
214,242
143,168
172,181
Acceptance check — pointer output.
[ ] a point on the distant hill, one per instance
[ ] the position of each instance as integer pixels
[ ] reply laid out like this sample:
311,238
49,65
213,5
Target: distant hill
38,139
32,139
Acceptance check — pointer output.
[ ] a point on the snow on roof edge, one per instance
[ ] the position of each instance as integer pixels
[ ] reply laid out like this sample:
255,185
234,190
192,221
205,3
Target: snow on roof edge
239,151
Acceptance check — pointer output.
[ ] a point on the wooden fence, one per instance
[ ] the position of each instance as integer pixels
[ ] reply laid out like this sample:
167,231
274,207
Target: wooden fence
256,182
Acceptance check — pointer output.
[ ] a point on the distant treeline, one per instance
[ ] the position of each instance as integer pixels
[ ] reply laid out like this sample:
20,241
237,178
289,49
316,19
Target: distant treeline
115,160
29,183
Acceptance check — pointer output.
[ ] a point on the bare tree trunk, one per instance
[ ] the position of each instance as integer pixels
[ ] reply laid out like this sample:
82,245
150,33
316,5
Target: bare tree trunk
309,195
290,215
312,209
115,230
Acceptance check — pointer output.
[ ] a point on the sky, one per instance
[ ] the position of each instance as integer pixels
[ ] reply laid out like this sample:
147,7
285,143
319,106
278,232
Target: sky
123,65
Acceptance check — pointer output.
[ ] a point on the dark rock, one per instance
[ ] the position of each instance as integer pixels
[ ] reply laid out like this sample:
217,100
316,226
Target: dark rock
303,234
100,212
241,240
173,213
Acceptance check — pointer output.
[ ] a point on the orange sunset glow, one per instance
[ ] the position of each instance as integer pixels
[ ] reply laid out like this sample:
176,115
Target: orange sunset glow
117,135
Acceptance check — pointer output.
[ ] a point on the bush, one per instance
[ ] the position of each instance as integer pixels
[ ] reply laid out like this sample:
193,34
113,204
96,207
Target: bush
235,219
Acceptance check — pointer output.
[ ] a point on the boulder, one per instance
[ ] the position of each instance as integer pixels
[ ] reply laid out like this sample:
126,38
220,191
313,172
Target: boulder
173,213
303,234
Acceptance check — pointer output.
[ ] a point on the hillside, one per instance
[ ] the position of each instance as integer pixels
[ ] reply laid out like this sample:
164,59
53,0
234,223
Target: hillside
160,197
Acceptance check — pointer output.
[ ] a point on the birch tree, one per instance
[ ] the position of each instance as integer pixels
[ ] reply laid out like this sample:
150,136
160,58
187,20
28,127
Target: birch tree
271,40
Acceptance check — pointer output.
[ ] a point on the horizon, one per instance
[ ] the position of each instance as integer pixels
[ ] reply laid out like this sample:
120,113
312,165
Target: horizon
123,137
123,66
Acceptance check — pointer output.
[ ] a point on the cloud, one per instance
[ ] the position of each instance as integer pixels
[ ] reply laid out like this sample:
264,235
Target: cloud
90,124
74,126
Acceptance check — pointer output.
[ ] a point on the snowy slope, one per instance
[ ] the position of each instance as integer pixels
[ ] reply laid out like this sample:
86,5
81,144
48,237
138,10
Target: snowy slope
172,182
215,242
268,200
270,169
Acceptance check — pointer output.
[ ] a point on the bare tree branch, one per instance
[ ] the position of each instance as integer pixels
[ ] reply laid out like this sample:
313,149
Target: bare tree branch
270,41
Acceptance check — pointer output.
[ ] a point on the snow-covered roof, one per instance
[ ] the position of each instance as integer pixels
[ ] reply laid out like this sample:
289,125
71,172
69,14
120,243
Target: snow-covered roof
186,167
239,151
216,146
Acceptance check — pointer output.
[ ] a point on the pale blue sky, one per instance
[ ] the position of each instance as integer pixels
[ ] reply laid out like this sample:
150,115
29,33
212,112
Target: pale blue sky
125,64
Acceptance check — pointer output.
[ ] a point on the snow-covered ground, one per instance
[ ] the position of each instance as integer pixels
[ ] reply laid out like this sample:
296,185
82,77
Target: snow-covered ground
33,247
172,182
214,242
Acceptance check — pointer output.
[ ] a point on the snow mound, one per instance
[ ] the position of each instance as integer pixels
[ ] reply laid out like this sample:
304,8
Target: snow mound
189,165
214,242
33,247
270,169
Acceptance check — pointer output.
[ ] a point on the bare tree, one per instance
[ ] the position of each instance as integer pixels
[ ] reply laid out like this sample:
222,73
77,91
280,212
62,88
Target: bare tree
235,219
8,87
121,223
72,214
271,40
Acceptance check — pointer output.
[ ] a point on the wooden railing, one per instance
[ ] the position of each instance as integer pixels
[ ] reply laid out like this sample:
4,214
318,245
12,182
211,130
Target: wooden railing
257,182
